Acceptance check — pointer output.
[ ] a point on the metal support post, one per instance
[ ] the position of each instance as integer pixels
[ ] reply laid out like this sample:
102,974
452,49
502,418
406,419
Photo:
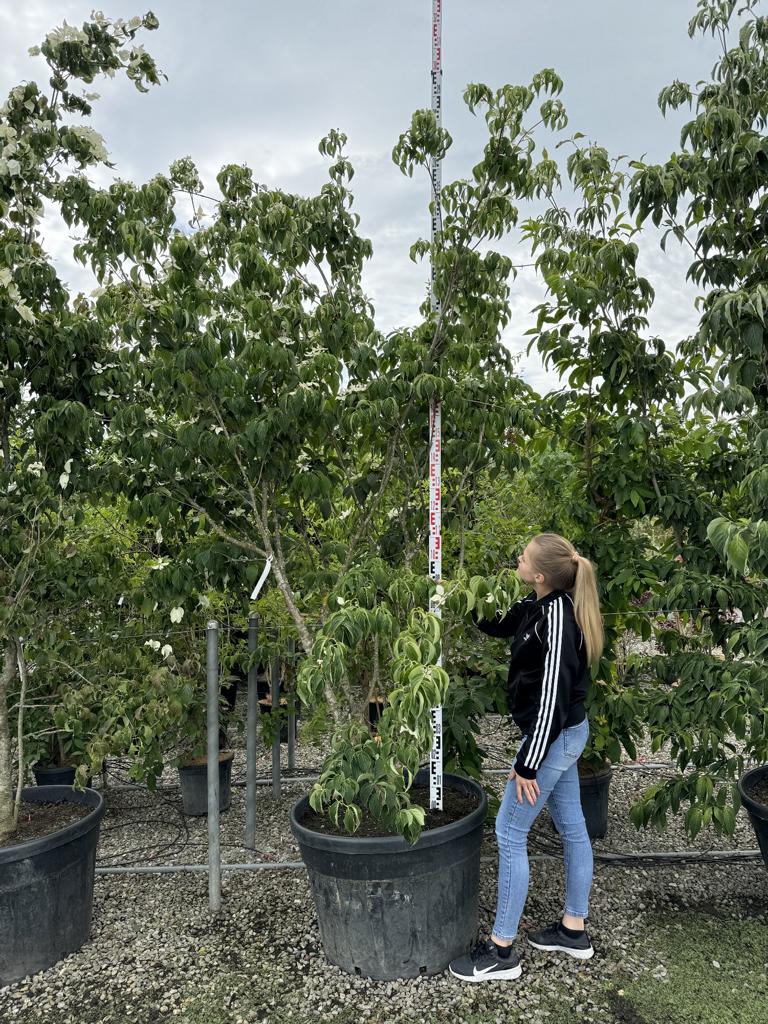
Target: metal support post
275,687
291,697
251,728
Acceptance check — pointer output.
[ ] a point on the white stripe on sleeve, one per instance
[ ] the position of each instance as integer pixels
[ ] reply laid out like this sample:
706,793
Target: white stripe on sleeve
548,685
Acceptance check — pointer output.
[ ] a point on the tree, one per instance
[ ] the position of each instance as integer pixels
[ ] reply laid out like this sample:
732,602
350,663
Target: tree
711,197
266,409
56,366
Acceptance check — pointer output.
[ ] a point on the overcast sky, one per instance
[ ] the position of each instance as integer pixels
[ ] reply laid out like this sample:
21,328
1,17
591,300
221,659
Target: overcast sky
259,82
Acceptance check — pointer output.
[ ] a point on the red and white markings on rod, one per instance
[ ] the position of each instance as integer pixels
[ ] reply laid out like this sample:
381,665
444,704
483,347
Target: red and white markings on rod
435,434
435,571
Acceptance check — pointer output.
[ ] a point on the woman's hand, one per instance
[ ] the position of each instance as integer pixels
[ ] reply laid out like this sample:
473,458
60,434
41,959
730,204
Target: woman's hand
529,787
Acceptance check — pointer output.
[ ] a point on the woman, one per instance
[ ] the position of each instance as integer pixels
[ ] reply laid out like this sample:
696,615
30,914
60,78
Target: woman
556,634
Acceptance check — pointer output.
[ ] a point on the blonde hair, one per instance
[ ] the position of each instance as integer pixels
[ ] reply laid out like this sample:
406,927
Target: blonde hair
565,569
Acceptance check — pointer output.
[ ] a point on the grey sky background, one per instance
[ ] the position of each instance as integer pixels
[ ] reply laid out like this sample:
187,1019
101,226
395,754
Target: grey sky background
261,82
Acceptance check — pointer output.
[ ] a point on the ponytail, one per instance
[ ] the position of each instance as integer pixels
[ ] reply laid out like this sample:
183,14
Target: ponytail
565,569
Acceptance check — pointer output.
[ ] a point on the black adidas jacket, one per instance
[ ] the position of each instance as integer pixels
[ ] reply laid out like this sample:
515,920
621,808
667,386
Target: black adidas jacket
548,671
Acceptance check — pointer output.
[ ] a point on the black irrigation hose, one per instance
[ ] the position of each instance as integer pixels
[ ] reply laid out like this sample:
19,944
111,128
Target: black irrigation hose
179,823
548,847
179,840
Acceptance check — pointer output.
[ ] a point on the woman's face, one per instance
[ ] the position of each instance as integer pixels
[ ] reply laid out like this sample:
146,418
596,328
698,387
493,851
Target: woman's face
525,569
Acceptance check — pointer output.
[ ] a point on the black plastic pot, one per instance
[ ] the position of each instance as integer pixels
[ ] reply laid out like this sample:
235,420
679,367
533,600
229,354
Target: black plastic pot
194,785
46,888
758,812
594,785
390,910
55,775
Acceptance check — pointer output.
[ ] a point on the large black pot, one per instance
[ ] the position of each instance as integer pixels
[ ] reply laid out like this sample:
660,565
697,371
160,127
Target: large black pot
56,775
46,888
390,910
758,812
594,784
194,785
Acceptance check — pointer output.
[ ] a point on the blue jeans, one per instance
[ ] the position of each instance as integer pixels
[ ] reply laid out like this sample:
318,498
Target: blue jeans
558,781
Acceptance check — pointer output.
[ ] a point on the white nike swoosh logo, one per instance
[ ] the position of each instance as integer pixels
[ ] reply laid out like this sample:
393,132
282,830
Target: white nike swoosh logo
485,970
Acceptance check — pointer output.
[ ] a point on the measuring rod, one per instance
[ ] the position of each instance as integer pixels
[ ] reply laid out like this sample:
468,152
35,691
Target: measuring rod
435,434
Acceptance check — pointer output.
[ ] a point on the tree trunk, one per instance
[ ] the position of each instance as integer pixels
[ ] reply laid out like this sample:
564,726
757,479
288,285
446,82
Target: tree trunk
7,677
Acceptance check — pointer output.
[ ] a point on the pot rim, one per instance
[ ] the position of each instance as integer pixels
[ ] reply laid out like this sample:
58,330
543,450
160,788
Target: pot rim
751,804
376,845
200,762
586,769
76,829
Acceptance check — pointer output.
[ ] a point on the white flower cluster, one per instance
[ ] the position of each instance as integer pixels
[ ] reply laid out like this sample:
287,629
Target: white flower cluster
65,34
8,166
7,282
64,478
94,141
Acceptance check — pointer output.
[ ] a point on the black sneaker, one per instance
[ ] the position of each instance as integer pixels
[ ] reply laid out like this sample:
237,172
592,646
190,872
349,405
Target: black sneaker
554,938
483,963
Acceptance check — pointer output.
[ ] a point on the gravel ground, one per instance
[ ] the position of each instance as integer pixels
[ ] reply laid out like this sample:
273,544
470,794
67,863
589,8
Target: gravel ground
156,953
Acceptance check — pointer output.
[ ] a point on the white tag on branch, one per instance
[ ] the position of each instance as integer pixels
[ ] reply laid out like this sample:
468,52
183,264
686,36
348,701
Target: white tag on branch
262,579
177,614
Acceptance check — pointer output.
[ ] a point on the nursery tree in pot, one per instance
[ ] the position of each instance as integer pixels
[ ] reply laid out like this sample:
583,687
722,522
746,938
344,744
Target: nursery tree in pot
615,417
266,410
711,197
647,460
56,374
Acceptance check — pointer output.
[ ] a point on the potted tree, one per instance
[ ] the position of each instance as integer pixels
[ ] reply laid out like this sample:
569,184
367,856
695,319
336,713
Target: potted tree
621,419
361,830
711,698
184,688
271,421
54,361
